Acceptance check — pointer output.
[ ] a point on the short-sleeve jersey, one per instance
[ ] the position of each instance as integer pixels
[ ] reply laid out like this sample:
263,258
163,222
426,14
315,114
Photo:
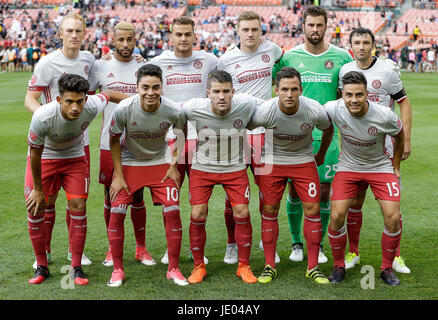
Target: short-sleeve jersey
383,83
117,76
63,138
319,73
291,141
185,78
363,139
145,132
51,67
220,138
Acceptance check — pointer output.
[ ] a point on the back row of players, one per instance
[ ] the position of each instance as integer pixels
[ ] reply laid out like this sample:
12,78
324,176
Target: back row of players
229,94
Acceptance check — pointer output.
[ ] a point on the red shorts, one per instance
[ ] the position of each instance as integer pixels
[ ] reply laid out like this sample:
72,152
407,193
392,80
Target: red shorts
136,177
304,178
70,174
185,157
235,184
106,169
346,185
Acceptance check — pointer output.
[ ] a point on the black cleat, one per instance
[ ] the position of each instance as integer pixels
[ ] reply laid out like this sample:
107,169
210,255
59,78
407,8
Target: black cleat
41,274
338,274
80,277
389,277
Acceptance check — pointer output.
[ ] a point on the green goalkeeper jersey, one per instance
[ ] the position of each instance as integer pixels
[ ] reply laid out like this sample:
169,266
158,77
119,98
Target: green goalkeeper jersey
319,73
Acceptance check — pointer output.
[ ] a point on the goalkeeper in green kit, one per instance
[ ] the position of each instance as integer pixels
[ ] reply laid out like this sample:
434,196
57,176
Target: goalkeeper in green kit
319,63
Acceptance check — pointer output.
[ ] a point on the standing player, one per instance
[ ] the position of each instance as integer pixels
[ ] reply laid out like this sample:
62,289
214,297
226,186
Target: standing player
141,162
384,86
57,159
319,63
362,163
250,63
220,121
185,75
44,85
292,117
119,74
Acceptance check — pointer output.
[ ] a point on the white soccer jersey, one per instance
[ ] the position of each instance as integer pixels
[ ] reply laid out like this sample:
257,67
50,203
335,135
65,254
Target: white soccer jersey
383,83
51,67
145,132
291,141
62,138
185,78
220,138
363,139
252,72
117,76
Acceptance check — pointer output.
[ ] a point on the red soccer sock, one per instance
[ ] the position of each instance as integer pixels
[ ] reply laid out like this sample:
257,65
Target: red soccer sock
354,224
390,242
198,237
397,254
269,236
107,212
243,234
116,234
67,221
229,221
49,222
312,234
173,234
338,242
138,218
37,238
77,236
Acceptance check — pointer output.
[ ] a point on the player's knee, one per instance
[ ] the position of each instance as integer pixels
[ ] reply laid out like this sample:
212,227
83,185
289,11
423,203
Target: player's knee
77,205
52,199
199,212
241,211
337,219
271,208
392,222
311,208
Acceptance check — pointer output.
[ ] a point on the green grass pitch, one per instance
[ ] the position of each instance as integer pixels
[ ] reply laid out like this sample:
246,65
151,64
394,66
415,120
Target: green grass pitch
419,238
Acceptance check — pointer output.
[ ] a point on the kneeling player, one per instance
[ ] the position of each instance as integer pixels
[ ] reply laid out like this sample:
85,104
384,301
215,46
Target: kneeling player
362,163
291,118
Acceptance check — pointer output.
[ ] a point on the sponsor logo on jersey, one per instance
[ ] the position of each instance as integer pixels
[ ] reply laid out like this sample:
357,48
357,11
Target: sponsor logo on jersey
178,78
122,87
146,135
238,124
309,76
266,58
289,137
251,75
376,84
357,142
373,131
329,64
197,64
306,126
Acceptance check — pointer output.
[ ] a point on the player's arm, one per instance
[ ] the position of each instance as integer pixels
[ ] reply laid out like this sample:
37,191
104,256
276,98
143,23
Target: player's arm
406,117
115,96
326,139
31,101
36,202
173,173
119,182
399,147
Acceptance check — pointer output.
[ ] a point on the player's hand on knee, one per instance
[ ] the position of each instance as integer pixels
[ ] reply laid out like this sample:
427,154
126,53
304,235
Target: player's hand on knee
36,203
117,186
173,174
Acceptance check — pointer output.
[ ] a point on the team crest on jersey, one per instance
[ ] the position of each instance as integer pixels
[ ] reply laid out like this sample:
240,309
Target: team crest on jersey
169,67
329,64
238,124
33,80
85,125
164,125
110,75
197,64
32,135
373,131
237,66
305,126
87,70
376,84
266,58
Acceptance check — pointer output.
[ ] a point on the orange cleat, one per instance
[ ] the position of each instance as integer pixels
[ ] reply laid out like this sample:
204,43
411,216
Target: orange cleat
244,272
198,273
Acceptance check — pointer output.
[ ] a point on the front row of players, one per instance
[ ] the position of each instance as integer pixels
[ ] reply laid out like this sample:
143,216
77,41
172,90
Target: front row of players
141,159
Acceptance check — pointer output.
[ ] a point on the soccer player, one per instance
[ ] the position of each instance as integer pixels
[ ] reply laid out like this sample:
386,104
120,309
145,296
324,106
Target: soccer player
57,159
220,121
384,87
364,125
119,74
291,117
141,162
44,85
319,63
185,74
250,63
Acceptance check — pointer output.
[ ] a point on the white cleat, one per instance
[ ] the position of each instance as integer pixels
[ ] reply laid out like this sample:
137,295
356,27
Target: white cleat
297,254
165,258
231,256
351,259
321,256
399,265
177,277
108,262
117,278
277,257
84,260
191,257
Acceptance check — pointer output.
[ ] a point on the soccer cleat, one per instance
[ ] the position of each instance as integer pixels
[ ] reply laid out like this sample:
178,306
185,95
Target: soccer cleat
399,265
338,274
198,273
389,277
267,275
321,256
277,257
231,254
84,260
41,274
49,260
141,255
177,277
117,278
297,252
80,278
317,275
108,262
244,272
191,258
165,258
351,259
